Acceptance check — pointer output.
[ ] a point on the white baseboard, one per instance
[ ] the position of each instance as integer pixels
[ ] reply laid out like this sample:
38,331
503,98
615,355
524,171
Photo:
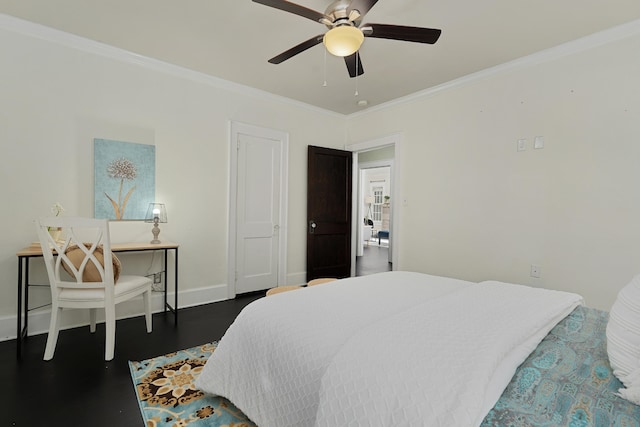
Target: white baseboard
39,319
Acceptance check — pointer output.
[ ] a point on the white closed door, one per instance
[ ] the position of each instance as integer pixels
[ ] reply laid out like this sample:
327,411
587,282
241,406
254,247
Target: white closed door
257,212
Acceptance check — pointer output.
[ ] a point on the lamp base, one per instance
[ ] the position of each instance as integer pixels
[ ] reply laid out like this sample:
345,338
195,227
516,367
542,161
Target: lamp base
155,230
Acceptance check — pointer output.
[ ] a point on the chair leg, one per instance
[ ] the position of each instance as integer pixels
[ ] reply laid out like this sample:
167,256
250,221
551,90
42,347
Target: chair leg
52,337
110,327
92,320
147,310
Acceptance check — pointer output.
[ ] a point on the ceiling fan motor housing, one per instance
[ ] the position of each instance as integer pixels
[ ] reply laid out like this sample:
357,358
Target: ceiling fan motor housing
339,14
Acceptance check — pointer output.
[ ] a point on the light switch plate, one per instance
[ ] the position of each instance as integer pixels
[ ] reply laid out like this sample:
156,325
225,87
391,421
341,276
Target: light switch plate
538,142
522,144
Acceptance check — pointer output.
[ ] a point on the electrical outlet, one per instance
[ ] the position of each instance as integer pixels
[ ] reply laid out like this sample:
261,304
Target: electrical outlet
535,271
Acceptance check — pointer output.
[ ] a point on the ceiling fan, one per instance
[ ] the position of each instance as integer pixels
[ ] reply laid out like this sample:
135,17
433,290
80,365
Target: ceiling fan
345,34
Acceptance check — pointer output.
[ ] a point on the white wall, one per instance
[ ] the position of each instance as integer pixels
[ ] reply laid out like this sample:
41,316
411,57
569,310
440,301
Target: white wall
477,209
57,95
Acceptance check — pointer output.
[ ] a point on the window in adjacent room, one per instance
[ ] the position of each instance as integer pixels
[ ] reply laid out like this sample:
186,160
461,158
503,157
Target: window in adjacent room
377,203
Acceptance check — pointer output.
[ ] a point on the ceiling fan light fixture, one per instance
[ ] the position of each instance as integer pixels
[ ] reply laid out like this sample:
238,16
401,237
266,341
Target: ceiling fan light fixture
344,40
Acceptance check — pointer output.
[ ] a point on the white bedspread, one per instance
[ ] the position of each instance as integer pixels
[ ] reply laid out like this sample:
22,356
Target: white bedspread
395,348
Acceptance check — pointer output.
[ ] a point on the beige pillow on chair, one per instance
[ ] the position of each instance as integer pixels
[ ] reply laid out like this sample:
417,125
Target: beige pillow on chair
90,274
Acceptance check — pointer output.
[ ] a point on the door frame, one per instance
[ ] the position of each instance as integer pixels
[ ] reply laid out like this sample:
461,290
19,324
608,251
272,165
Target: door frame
396,178
236,128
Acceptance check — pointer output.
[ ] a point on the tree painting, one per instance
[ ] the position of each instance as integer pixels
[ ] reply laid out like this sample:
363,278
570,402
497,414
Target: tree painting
124,179
121,169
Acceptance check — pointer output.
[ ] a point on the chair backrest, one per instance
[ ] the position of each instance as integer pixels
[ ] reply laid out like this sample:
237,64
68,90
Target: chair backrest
81,257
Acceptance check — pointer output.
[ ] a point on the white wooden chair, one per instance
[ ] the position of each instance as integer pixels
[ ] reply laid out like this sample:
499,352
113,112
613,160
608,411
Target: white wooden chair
81,274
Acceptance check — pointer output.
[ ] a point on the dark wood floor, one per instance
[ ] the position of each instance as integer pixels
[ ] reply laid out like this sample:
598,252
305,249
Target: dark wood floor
78,388
375,259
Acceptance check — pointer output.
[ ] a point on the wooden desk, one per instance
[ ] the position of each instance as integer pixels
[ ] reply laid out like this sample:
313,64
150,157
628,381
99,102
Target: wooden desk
24,255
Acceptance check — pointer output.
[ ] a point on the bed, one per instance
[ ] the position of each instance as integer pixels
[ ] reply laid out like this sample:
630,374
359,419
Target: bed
404,348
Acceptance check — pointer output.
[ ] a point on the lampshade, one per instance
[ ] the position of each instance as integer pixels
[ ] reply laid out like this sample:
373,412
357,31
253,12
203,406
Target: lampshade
369,199
156,210
343,41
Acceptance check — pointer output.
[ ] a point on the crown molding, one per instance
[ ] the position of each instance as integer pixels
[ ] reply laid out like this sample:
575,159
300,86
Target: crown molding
52,35
592,41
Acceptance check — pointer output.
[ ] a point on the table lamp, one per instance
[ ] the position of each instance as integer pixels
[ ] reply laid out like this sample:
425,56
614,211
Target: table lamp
156,213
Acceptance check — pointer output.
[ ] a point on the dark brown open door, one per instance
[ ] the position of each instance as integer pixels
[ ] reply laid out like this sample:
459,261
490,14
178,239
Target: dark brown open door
328,213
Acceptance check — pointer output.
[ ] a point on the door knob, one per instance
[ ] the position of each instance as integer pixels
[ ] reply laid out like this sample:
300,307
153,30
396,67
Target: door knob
312,226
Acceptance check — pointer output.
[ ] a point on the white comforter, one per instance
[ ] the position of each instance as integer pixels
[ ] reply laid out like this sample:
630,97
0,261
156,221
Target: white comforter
395,348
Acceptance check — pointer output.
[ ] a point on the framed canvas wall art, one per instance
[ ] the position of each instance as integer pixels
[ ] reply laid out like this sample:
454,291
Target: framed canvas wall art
124,179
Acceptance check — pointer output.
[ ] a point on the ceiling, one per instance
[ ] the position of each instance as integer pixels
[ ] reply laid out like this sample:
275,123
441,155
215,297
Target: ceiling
233,39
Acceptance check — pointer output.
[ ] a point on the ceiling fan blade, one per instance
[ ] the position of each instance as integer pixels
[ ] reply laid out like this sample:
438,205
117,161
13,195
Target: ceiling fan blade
297,49
401,32
296,9
354,65
362,6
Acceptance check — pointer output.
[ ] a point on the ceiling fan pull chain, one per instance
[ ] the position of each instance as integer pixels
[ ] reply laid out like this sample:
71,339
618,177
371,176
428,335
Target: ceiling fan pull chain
325,68
357,57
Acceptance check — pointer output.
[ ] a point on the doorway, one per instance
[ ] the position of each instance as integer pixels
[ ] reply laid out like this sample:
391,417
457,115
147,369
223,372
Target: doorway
374,251
375,176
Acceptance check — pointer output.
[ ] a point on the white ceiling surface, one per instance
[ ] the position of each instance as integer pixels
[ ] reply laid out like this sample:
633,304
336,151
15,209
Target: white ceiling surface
233,39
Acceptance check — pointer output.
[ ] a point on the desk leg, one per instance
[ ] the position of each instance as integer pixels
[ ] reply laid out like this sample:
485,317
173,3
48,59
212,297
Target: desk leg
175,281
167,306
19,311
26,299
165,280
23,287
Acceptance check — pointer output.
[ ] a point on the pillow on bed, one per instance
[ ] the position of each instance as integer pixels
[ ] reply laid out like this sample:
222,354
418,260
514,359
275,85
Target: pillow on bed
623,340
91,273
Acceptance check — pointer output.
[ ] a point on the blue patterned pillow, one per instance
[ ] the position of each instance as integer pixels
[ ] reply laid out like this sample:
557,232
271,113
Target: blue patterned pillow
623,340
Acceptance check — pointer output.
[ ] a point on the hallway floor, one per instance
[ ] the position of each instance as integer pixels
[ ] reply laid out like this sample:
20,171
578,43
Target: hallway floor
374,260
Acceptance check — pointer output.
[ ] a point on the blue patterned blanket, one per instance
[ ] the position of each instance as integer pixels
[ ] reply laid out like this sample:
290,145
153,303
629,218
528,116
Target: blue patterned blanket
566,381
